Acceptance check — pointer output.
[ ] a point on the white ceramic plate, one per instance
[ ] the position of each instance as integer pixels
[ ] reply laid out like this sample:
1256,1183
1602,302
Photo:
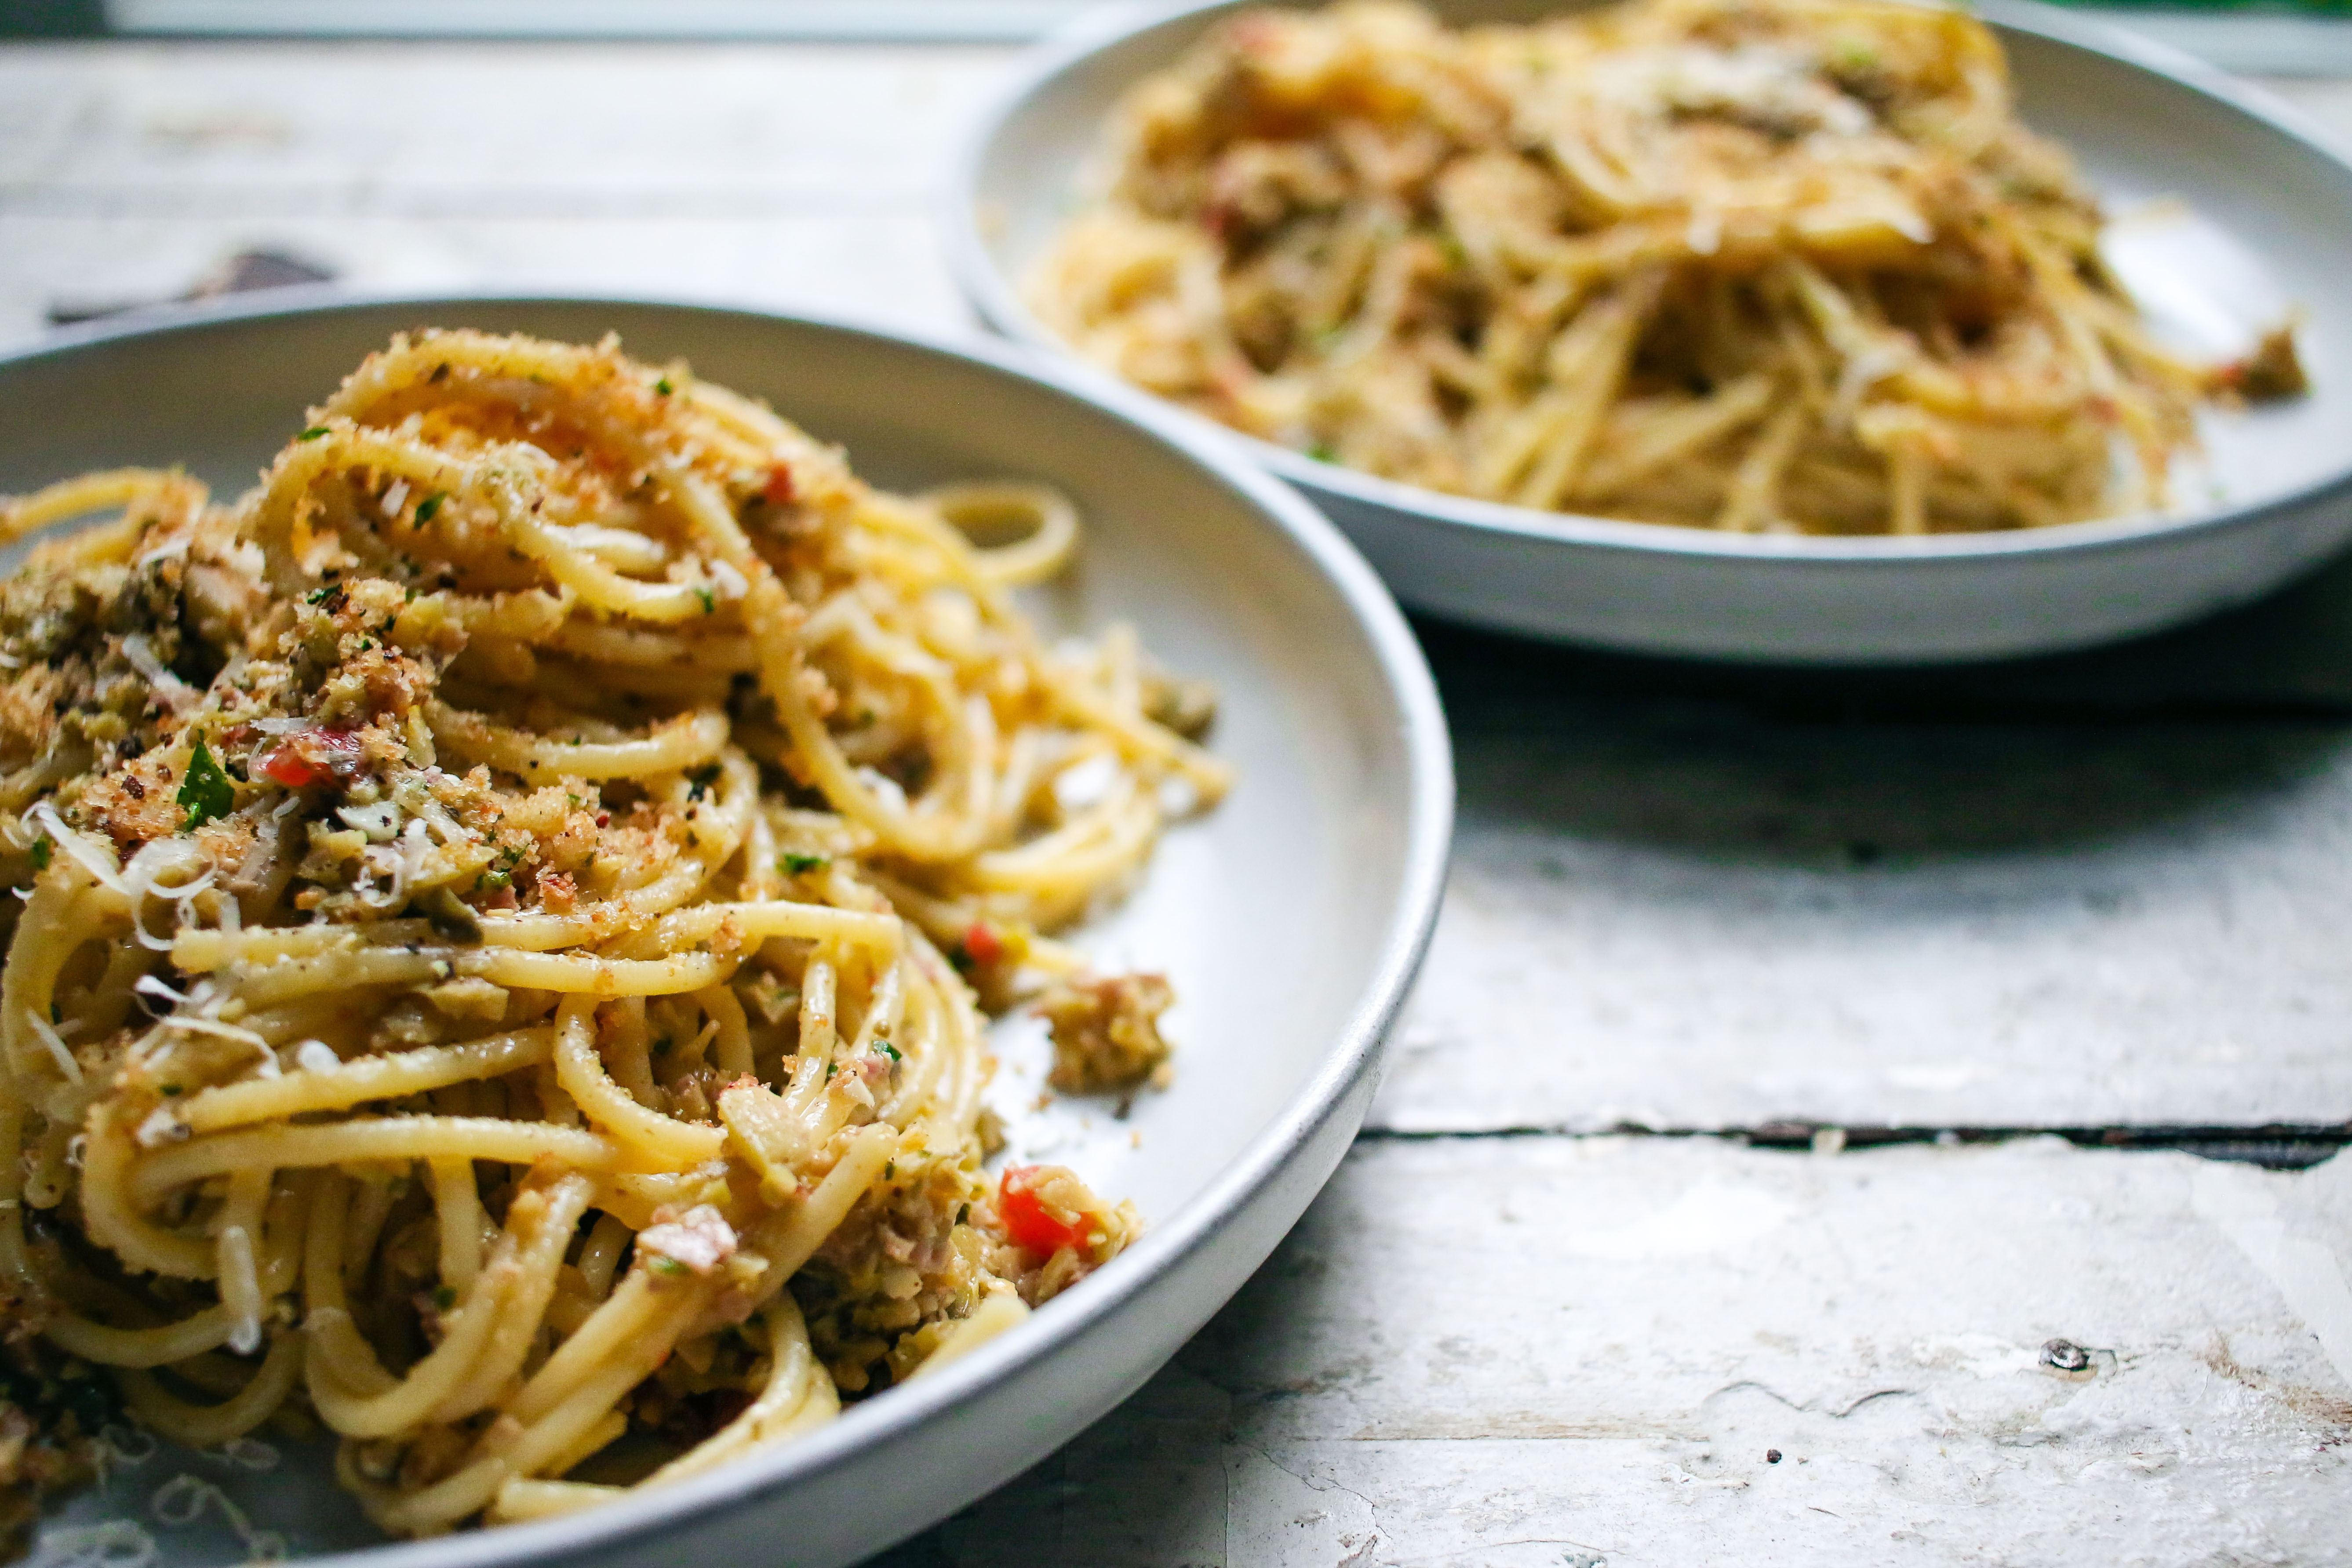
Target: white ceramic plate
1291,920
2230,212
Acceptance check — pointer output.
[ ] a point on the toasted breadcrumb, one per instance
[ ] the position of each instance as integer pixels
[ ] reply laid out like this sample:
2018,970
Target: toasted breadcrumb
1107,1034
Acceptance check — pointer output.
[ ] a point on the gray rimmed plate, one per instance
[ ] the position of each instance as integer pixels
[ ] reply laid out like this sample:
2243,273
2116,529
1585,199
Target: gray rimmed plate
1291,920
2230,213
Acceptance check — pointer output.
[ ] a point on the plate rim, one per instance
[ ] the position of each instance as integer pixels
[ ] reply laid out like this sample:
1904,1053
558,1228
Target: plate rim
997,299
1354,1052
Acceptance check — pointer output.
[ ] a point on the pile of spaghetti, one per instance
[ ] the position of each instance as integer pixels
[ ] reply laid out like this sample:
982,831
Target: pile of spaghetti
501,907
1754,265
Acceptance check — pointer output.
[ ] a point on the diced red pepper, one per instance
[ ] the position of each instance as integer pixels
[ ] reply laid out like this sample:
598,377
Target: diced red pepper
779,490
312,757
286,766
981,944
1029,1220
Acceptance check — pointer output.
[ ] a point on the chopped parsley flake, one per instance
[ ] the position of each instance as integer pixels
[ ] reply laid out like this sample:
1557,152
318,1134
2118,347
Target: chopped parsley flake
41,851
206,793
312,434
445,1297
888,1049
801,864
664,387
709,604
427,507
171,1091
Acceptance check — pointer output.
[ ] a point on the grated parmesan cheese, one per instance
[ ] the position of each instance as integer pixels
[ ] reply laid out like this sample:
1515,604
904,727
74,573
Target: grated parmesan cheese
99,863
49,1038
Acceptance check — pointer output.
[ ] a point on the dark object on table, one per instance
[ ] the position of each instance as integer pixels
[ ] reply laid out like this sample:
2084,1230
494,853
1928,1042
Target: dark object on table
241,273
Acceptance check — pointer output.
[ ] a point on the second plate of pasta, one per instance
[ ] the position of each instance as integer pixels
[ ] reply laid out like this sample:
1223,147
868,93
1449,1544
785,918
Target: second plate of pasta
1822,330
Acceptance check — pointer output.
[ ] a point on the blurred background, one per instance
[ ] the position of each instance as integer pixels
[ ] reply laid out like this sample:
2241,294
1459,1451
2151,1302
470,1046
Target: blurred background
775,153
2242,37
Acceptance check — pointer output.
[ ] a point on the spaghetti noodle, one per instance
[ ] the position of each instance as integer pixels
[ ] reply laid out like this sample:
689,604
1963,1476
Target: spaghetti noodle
1790,266
493,901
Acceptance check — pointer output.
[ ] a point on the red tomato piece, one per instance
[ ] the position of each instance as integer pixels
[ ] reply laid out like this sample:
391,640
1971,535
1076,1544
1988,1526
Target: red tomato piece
312,757
1029,1220
286,766
779,485
981,944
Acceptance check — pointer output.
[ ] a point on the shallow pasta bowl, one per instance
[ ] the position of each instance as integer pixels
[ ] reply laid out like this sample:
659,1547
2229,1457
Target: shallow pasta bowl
1290,919
2267,222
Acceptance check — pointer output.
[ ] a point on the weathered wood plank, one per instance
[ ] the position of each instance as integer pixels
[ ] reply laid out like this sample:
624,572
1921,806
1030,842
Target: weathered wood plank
880,265
1694,917
1548,1351
478,130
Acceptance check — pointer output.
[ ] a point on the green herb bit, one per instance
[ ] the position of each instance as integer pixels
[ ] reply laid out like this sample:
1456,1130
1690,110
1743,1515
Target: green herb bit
709,604
445,1297
172,1092
1852,55
430,507
206,793
667,1267
1323,452
801,865
312,434
888,1049
664,387
42,850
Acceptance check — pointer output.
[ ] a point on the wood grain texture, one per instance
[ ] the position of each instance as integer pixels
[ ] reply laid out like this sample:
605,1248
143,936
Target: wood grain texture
1558,1351
1686,917
797,177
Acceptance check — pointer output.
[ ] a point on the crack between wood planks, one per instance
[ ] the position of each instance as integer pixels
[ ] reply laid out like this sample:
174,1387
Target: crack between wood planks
1355,1558
2276,1145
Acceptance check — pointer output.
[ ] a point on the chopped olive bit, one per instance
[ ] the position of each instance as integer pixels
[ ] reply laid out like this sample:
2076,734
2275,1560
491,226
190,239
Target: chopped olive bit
446,913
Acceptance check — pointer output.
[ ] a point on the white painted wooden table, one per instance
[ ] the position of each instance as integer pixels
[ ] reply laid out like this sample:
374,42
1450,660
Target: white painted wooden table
1591,1267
